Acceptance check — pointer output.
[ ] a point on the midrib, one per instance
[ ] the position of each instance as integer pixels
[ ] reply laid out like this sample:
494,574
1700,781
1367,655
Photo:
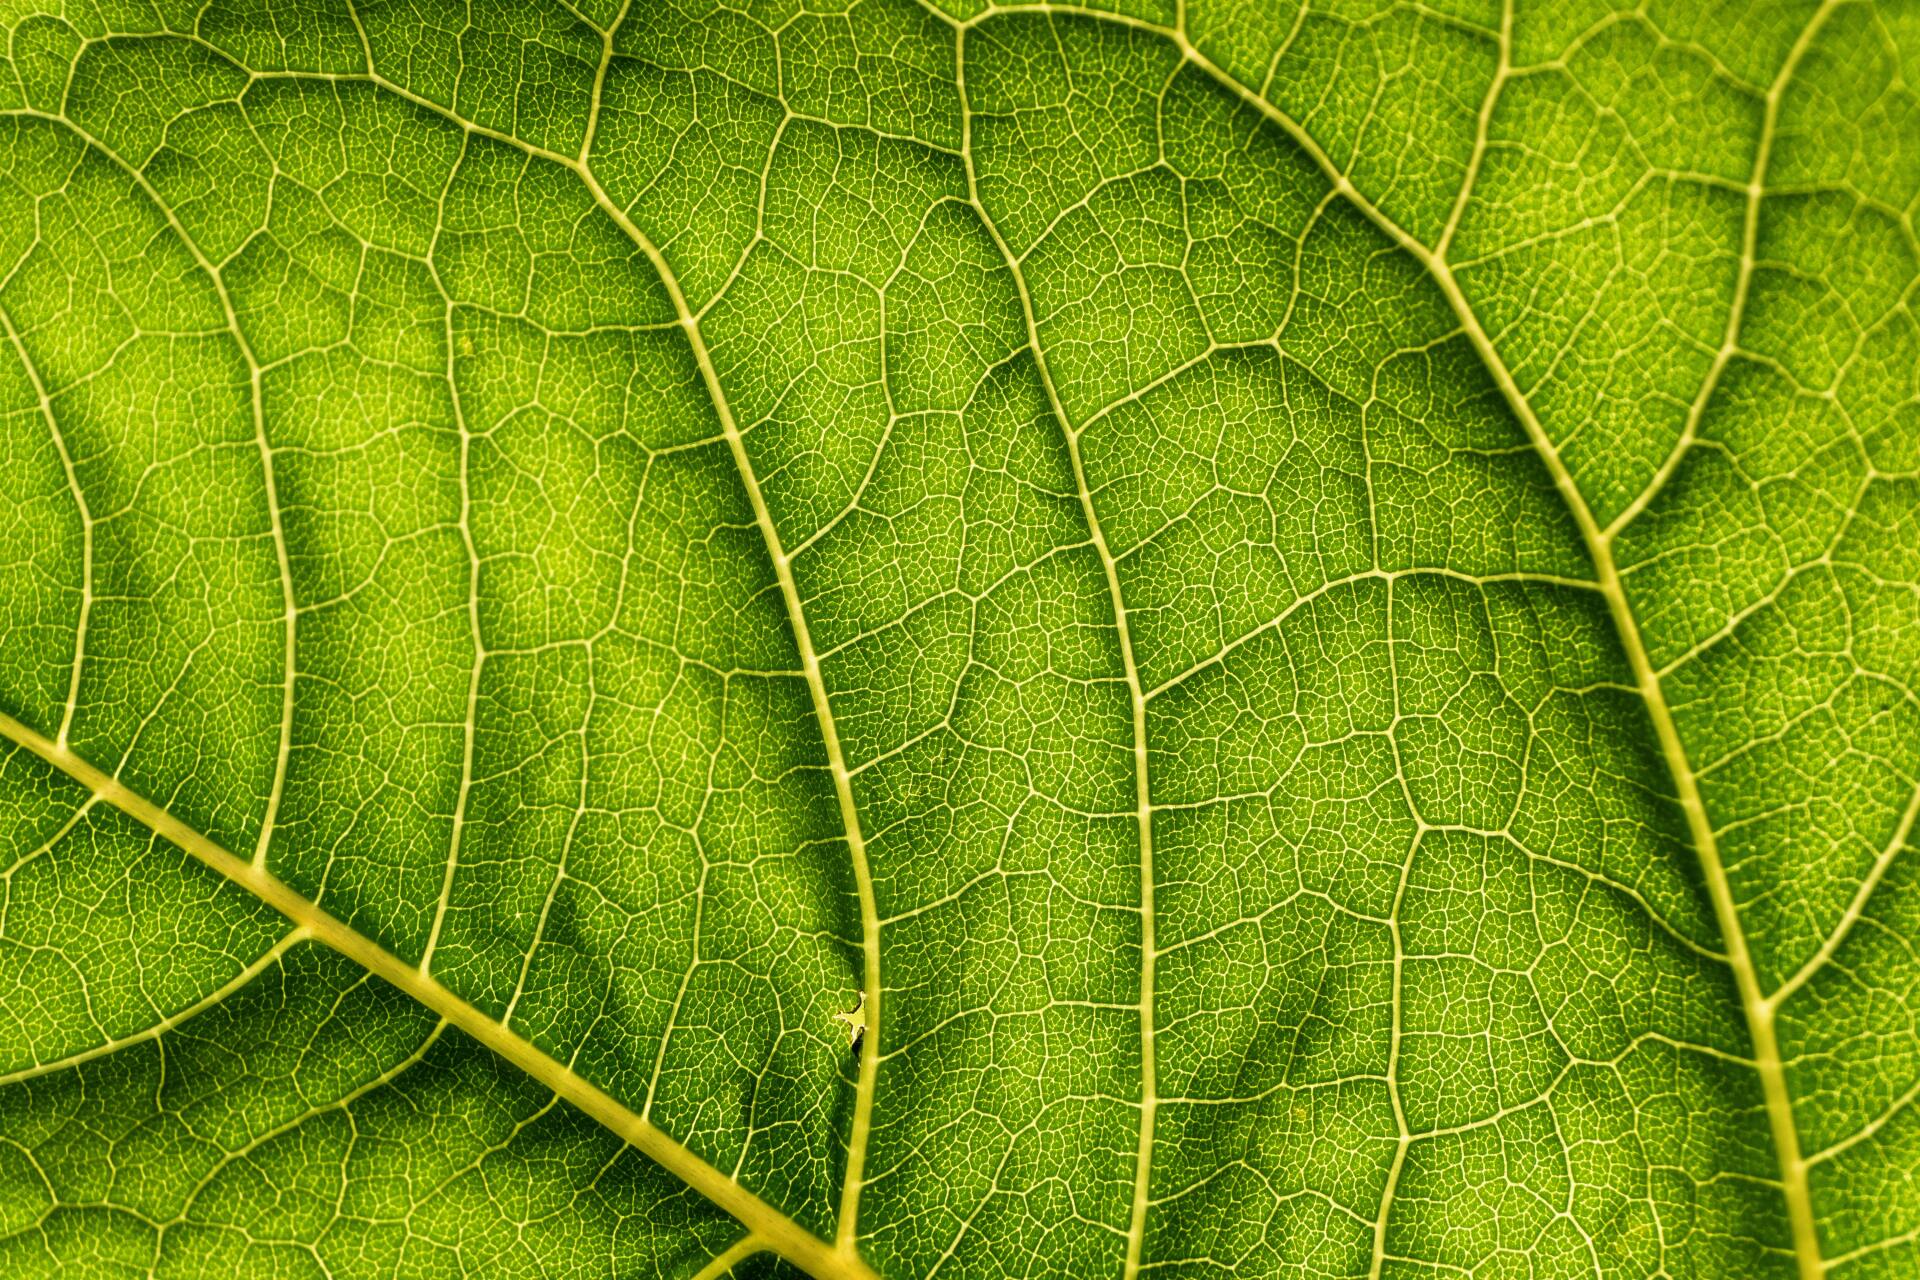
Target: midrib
773,1229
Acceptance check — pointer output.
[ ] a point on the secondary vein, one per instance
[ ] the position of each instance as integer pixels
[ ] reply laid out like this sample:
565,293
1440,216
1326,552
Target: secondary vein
1136,695
854,1179
1758,1009
45,398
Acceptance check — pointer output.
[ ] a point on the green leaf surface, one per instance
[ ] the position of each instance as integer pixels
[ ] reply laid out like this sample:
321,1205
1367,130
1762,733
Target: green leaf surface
895,639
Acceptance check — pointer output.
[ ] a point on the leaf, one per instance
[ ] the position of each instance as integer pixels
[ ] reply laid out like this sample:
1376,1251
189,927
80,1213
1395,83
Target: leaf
915,641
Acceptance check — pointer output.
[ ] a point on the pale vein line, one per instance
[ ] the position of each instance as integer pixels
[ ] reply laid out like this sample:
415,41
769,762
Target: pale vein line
733,1256
154,1031
1136,696
86,522
1483,125
847,1229
1743,279
1327,588
1855,908
1396,1041
1878,1246
342,1105
779,1233
1396,1037
847,1234
254,373
1759,1015
52,842
1871,1127
470,727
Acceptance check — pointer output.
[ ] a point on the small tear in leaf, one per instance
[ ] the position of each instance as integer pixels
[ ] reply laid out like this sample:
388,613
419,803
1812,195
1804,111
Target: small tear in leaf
856,1020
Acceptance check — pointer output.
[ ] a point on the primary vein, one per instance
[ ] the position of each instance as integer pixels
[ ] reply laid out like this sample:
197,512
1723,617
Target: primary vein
774,1229
782,564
